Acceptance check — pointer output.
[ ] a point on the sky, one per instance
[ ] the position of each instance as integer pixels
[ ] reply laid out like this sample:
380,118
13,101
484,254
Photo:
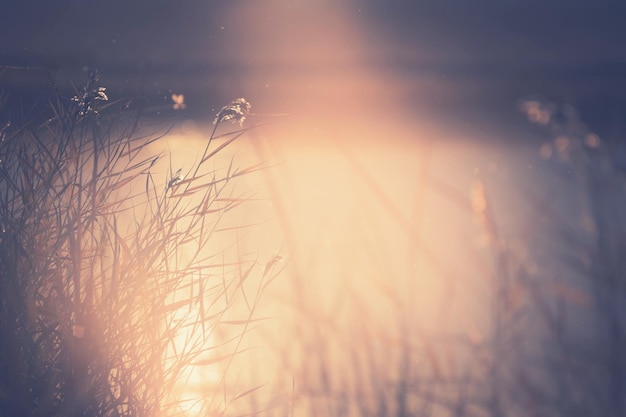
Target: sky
452,56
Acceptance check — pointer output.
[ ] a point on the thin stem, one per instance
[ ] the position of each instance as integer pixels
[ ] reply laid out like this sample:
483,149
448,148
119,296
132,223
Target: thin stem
206,149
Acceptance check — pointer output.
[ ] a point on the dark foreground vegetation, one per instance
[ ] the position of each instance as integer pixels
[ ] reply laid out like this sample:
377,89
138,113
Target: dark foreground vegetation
110,287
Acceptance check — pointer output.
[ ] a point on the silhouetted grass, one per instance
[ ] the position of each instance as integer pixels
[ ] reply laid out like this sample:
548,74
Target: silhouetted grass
111,291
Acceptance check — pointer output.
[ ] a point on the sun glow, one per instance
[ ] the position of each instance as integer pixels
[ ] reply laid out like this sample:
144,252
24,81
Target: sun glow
365,222
357,202
309,208
380,217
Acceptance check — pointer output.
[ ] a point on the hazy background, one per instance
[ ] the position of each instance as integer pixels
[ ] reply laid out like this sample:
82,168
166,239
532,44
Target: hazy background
400,113
447,58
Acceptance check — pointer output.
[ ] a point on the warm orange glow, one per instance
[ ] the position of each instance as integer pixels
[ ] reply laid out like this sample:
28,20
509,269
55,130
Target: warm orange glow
374,231
369,205
334,208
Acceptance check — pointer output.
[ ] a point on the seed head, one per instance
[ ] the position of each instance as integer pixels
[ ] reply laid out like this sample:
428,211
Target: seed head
176,179
237,111
91,93
179,102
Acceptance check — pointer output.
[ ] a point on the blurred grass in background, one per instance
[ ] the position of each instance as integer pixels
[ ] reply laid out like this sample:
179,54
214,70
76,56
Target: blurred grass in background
425,272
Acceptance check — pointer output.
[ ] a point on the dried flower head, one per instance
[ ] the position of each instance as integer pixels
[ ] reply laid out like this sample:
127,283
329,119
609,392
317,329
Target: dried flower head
592,141
91,92
176,179
537,111
478,197
179,102
237,111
